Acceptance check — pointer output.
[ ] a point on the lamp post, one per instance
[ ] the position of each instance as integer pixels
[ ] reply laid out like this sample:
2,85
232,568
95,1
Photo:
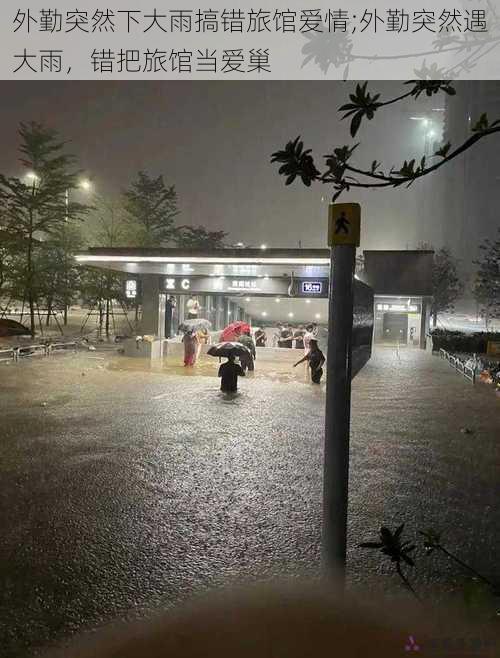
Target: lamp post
86,185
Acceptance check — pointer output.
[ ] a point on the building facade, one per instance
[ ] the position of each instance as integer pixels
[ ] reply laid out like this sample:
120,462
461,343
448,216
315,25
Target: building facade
265,287
471,182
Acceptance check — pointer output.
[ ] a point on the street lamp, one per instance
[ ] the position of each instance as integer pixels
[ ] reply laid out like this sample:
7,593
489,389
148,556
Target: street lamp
32,177
85,185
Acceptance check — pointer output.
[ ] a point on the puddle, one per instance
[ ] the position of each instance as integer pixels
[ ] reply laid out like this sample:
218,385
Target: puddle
206,367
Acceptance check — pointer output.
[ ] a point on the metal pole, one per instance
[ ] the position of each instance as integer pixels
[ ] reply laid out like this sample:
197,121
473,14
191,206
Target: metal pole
338,409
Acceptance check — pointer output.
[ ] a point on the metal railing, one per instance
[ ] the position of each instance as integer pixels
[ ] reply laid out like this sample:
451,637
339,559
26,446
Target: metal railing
62,347
7,355
19,352
459,365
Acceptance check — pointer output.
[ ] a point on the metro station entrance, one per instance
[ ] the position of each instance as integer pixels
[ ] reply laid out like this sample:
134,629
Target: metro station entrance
395,328
264,287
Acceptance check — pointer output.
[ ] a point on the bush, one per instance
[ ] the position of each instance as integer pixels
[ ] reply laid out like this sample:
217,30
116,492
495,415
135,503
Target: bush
457,341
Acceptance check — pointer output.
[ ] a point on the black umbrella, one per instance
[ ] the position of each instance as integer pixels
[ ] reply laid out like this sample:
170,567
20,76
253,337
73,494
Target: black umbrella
228,349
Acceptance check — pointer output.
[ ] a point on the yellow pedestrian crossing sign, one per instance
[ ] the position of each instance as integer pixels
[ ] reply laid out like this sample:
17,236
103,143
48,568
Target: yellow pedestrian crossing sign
344,222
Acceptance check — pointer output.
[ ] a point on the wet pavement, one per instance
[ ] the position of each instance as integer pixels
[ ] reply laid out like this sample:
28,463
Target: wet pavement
124,490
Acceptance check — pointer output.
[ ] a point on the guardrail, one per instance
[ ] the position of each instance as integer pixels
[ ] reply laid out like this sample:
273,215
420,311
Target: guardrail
61,347
31,350
459,365
13,354
7,355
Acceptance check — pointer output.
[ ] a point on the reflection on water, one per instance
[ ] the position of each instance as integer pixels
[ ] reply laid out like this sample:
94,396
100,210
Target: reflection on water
208,367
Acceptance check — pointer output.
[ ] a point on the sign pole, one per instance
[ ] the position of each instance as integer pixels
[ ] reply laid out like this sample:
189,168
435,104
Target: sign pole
344,224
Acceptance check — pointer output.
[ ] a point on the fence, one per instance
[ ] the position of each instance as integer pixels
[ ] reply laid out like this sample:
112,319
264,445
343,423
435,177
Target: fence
13,354
459,365
7,355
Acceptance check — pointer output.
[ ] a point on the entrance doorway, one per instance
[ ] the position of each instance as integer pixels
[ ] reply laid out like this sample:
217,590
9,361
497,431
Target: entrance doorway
395,328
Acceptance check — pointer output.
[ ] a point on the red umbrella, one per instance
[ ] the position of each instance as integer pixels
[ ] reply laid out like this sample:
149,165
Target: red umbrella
234,330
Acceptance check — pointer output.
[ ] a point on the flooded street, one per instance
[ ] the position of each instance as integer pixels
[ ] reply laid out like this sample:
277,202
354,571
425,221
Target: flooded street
125,490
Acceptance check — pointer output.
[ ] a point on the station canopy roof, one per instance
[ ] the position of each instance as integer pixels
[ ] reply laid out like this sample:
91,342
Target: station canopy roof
215,262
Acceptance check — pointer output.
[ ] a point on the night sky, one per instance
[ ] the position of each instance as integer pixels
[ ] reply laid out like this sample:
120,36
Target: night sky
213,140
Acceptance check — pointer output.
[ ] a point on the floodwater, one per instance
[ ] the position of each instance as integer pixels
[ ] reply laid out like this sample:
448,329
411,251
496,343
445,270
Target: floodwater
124,490
206,366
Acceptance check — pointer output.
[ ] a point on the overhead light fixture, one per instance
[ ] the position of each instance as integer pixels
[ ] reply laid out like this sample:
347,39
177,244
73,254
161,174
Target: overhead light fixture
277,300
264,313
89,258
247,299
317,316
290,315
263,246
308,301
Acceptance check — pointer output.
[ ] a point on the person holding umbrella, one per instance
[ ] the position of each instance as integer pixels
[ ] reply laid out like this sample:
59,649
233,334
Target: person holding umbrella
247,360
234,330
190,340
229,373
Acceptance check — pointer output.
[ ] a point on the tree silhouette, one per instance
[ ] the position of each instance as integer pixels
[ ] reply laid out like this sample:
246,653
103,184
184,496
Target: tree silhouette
34,209
338,170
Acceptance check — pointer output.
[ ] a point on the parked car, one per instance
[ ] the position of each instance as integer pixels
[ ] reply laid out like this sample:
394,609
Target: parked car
12,328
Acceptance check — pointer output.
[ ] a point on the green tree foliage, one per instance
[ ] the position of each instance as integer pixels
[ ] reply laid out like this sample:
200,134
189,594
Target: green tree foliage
447,286
57,271
109,224
35,210
199,237
151,207
487,285
101,288
338,169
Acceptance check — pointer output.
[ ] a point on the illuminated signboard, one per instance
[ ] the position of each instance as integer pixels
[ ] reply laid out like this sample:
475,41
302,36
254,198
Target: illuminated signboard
409,308
131,289
243,284
175,284
312,287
